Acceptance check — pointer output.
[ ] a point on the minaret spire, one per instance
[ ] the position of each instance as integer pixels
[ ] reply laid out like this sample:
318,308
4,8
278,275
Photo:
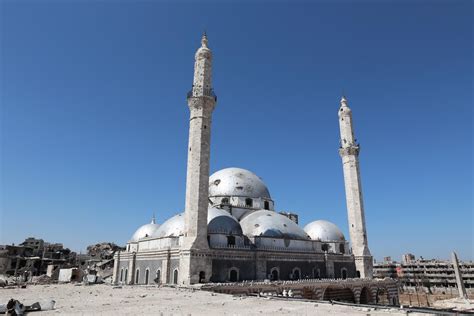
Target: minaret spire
349,153
195,265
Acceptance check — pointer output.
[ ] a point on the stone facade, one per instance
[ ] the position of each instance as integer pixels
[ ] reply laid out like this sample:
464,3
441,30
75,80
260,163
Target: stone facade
230,230
349,153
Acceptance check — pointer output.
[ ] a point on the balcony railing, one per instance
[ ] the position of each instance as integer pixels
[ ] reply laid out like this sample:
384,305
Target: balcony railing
206,92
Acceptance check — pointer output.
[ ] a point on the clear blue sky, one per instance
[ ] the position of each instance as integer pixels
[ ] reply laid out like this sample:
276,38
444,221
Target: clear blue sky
94,119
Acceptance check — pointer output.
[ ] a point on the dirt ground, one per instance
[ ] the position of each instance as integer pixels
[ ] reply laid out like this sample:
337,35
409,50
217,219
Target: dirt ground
140,300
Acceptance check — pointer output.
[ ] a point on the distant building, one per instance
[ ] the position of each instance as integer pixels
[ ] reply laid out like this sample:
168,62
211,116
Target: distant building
428,273
32,257
407,258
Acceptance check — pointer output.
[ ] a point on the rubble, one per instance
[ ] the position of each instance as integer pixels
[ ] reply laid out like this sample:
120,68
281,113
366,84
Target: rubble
15,307
103,251
38,262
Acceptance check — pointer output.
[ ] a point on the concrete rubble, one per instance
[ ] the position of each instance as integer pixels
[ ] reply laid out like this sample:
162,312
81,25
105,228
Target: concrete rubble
35,261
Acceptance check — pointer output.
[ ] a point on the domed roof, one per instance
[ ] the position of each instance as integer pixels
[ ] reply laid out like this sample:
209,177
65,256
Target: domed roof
146,230
271,224
218,221
237,182
324,231
173,227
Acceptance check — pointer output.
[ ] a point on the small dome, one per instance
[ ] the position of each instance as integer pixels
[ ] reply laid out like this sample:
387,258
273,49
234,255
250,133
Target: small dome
237,182
324,231
218,221
173,227
146,230
271,224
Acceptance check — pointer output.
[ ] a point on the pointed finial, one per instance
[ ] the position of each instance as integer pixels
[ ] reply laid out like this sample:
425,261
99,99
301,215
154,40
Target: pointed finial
153,221
204,40
343,101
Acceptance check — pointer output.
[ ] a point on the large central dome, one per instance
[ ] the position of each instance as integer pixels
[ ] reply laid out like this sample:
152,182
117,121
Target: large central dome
237,182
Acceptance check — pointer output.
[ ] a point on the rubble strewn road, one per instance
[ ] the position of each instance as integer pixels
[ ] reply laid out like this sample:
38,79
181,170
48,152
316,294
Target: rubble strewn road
139,300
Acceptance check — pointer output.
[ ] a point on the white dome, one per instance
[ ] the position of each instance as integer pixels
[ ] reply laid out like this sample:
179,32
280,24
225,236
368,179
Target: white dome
173,227
237,182
218,221
146,230
271,224
324,231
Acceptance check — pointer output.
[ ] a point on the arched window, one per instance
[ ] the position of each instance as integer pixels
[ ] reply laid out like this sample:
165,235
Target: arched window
296,274
175,276
158,276
274,274
358,273
147,275
233,275
248,202
344,273
126,276
225,201
316,273
341,248
121,275
266,205
230,240
137,276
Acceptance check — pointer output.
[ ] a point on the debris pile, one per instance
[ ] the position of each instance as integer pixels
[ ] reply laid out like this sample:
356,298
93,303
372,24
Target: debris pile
103,251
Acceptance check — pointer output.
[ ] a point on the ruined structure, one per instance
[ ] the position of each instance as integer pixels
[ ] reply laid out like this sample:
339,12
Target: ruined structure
32,257
363,291
438,275
230,230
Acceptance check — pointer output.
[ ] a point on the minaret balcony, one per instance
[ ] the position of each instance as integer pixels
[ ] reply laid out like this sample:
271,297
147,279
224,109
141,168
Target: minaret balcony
205,92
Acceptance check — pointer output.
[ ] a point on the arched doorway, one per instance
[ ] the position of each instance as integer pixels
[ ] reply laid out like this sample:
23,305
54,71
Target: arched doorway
147,275
274,274
233,275
296,274
316,273
175,276
364,296
344,273
158,276
339,294
202,277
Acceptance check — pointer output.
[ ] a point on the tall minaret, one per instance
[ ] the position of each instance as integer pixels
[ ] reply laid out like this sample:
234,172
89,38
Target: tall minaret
201,102
349,152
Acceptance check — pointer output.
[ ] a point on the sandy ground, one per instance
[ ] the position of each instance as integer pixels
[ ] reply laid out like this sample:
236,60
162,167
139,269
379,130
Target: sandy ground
141,300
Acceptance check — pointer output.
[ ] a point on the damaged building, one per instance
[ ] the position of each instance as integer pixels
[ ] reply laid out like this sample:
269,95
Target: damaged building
33,257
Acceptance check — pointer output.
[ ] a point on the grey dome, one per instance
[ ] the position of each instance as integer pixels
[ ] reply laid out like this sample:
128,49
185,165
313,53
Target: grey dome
218,221
237,182
146,230
324,231
271,224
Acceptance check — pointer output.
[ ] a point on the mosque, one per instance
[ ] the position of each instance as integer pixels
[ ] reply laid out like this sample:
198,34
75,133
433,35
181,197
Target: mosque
230,229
